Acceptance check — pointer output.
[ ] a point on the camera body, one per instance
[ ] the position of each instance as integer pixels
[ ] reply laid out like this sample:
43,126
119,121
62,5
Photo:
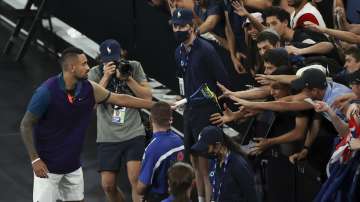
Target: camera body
124,67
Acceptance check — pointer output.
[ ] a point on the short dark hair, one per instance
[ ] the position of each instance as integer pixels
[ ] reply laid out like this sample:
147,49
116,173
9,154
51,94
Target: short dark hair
268,36
278,12
354,52
276,57
67,53
180,177
161,114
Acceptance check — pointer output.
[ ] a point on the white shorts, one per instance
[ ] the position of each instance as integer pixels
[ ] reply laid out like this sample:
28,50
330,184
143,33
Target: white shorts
66,187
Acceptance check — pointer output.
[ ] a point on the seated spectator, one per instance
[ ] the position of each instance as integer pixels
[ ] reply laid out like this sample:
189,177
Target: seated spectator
230,175
164,149
181,177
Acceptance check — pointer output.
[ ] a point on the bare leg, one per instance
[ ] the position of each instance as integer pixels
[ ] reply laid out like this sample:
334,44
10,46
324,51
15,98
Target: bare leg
108,183
133,170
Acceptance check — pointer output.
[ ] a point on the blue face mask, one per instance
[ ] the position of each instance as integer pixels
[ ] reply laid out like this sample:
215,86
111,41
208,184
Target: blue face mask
181,36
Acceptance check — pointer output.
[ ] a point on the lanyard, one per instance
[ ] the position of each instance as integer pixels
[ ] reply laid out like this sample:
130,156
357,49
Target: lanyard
184,58
221,179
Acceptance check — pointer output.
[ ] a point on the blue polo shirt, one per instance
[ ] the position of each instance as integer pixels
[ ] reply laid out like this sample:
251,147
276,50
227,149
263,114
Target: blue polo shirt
200,65
334,90
164,149
62,122
41,98
236,182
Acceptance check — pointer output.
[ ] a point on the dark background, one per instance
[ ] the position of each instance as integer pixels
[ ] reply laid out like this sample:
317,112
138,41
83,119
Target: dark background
140,28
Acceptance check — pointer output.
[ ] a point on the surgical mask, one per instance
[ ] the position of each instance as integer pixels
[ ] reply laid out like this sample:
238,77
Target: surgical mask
181,36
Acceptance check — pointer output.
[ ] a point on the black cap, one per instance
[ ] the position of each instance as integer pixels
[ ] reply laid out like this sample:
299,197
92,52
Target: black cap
182,16
210,135
354,78
310,78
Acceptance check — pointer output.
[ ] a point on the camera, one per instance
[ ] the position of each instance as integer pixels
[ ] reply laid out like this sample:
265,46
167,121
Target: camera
124,67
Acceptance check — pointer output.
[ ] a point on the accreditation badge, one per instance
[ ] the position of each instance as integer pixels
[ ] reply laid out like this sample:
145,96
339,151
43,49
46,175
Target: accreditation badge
119,115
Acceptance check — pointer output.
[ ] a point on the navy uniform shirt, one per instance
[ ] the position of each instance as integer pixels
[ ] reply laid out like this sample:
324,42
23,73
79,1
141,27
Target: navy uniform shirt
200,65
236,184
164,149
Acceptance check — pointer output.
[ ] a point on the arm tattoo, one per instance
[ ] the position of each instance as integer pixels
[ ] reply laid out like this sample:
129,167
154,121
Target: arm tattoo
26,129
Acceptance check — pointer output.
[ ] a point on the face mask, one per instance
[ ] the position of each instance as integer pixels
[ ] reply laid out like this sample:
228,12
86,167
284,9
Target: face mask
211,155
181,36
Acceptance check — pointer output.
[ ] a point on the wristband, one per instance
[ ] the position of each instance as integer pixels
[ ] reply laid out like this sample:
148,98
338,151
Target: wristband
32,162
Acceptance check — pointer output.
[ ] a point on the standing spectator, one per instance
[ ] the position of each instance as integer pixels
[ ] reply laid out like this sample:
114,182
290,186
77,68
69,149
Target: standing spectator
120,132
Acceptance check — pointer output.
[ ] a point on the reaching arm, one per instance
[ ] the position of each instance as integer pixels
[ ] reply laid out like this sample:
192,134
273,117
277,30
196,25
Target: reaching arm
254,93
102,95
279,106
296,134
340,126
341,35
318,48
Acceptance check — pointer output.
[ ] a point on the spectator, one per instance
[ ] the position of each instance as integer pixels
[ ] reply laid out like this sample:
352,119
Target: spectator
181,177
304,11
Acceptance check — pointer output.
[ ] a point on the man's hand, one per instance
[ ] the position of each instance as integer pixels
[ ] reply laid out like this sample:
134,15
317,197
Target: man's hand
261,145
292,50
239,8
226,92
298,156
218,119
109,69
239,68
314,27
263,79
321,106
341,101
354,143
40,169
240,101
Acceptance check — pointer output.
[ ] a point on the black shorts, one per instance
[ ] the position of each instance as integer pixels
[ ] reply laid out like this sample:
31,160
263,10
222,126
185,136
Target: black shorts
195,119
110,154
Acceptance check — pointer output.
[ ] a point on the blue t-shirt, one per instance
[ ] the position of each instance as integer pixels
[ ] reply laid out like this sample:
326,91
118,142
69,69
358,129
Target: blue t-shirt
164,149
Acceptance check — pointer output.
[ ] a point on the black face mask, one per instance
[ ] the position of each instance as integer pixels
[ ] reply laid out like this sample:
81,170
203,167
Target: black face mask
181,36
211,155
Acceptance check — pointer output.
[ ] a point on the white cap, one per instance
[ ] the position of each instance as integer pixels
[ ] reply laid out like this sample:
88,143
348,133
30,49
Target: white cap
319,67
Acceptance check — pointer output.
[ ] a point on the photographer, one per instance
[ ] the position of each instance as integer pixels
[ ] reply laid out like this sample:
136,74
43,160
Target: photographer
120,132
